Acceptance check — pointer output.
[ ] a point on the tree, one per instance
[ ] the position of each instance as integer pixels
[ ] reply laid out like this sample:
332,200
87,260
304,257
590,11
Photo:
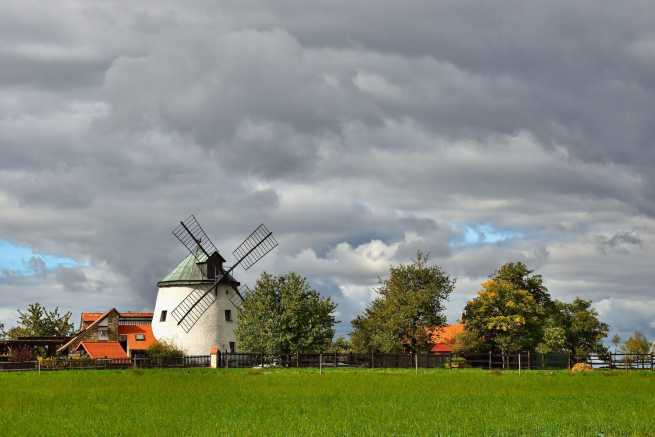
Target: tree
636,344
514,311
340,345
583,330
506,317
518,274
554,339
37,321
3,333
284,315
616,341
409,304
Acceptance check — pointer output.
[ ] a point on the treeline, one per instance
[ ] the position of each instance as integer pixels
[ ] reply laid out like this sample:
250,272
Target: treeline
512,311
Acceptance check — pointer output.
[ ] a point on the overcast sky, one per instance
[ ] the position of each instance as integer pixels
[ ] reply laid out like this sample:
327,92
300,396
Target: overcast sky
358,131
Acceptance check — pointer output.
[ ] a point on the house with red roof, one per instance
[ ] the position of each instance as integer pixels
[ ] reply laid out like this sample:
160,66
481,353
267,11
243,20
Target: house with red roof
444,337
111,335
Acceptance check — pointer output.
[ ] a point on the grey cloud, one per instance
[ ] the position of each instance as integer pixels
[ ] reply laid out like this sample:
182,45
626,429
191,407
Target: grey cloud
622,241
358,132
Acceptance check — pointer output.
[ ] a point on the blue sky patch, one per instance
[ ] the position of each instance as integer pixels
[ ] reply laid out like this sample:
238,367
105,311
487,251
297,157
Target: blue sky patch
482,233
17,258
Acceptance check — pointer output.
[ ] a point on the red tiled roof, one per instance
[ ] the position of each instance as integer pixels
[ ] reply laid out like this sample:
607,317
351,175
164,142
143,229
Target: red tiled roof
91,317
131,331
136,315
104,349
443,338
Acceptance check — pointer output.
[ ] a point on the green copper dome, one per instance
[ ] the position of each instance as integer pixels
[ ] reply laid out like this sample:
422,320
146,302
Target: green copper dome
187,272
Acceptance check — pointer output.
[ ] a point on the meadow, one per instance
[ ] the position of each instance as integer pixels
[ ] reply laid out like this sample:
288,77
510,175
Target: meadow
339,402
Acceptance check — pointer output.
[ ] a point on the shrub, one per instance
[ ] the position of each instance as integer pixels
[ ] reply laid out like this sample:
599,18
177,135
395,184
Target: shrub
162,349
21,354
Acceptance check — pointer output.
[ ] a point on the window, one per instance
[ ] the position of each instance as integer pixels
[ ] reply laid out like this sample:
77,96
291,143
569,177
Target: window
233,347
103,334
228,315
140,337
163,316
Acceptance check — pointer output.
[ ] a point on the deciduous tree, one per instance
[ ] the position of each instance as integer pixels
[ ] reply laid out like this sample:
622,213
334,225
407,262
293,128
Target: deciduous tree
37,321
410,302
636,344
283,315
506,317
583,329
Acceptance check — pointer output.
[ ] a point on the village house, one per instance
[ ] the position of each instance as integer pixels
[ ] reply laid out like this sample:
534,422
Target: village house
111,335
444,337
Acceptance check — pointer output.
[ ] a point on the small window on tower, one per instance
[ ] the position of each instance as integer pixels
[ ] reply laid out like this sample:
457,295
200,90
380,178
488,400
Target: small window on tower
228,315
140,337
163,316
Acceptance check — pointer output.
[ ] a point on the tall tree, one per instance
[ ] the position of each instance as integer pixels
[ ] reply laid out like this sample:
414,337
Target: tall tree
507,318
37,321
636,344
616,341
583,330
409,303
283,315
3,334
514,311
522,278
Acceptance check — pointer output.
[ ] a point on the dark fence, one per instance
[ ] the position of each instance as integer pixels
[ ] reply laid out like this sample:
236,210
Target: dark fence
523,360
50,364
487,360
491,361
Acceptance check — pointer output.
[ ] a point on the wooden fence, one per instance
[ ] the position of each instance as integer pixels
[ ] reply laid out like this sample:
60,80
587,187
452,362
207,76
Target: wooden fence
491,361
52,364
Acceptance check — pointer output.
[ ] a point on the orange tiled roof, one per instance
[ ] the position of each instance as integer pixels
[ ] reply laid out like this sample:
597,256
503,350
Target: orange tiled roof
136,314
91,317
131,331
443,337
104,349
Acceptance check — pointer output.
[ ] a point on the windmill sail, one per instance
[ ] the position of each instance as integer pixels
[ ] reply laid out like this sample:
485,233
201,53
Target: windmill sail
254,248
193,237
193,306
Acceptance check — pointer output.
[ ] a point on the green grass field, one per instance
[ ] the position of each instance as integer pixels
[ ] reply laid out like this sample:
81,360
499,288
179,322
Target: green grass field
340,402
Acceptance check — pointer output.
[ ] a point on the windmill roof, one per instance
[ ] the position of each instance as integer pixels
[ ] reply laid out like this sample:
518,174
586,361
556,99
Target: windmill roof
187,271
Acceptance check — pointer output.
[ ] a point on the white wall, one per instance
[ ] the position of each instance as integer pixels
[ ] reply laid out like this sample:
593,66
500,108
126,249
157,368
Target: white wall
210,330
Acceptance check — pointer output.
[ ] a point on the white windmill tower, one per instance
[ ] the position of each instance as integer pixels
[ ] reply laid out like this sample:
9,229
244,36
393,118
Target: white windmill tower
198,303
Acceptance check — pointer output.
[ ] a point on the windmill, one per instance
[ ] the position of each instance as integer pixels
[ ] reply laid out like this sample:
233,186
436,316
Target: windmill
201,286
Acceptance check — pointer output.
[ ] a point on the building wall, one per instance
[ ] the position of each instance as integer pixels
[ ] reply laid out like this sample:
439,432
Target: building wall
211,329
110,323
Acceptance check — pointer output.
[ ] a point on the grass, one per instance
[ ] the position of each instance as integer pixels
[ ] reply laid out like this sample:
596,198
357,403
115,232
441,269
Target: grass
340,402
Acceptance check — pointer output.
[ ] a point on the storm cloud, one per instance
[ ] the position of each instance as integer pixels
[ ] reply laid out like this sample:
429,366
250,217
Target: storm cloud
359,132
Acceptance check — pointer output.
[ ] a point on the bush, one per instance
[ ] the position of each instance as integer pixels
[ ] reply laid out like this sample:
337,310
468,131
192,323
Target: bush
162,349
21,354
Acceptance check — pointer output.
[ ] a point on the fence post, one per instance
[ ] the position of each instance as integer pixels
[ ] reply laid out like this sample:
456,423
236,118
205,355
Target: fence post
569,360
416,362
372,360
529,366
489,360
320,363
519,362
450,361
